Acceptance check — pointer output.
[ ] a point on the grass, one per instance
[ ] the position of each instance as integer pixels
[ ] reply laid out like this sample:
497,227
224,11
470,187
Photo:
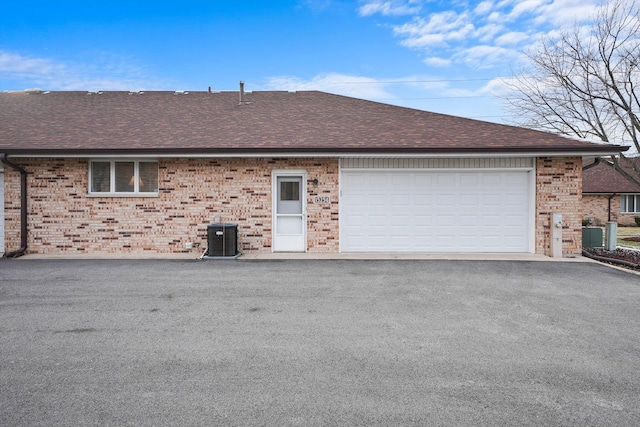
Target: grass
628,232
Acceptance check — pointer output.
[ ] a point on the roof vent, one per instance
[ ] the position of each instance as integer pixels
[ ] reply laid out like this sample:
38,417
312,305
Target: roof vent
35,91
96,92
133,92
181,92
242,93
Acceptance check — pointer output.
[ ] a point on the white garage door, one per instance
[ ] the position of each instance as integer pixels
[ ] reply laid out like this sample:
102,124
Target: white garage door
1,212
435,211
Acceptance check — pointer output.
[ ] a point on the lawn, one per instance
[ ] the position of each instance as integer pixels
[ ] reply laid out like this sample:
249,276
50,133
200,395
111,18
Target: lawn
627,232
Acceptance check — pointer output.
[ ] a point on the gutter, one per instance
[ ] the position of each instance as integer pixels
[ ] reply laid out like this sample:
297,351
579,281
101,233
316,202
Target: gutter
422,152
23,207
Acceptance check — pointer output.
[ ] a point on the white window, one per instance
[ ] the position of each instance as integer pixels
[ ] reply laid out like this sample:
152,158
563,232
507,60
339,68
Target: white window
630,203
123,177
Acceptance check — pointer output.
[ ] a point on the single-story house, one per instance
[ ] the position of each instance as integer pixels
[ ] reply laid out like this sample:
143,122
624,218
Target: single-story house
135,172
607,195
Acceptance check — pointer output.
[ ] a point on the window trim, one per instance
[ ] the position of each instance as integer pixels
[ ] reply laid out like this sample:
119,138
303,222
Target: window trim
636,197
112,178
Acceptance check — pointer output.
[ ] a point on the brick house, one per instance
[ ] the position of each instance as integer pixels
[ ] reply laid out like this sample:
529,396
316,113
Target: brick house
120,172
608,196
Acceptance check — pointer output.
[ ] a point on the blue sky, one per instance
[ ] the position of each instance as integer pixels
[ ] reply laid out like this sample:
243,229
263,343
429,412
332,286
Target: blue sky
444,56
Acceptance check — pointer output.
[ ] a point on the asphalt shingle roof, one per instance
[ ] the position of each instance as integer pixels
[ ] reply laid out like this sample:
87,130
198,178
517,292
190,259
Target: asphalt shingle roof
269,121
604,179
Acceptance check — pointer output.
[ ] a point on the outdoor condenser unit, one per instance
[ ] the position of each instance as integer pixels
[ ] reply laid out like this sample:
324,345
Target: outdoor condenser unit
222,240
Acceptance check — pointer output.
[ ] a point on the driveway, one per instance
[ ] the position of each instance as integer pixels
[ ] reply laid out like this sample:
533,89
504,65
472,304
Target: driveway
316,342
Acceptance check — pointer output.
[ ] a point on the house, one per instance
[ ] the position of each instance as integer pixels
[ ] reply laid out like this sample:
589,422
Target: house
135,172
608,196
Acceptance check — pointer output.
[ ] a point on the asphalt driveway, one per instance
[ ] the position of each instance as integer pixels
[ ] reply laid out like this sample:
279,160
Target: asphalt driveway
309,342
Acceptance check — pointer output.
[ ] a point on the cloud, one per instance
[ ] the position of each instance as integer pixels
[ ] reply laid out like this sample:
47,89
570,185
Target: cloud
343,84
435,31
484,56
13,64
490,33
97,71
434,61
390,7
483,7
560,13
512,38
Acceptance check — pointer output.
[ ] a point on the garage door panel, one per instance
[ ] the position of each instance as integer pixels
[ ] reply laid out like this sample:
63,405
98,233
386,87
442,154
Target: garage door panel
445,179
435,211
399,200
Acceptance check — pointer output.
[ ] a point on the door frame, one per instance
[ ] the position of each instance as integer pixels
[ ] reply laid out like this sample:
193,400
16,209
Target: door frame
275,174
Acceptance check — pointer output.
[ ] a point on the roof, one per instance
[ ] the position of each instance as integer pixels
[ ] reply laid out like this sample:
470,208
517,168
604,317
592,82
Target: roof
604,179
269,121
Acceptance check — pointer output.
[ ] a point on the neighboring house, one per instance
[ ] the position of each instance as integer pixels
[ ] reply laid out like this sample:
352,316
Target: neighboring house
608,196
119,172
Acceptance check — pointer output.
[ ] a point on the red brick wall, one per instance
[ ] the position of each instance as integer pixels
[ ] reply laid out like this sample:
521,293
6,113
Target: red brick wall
597,207
559,190
192,193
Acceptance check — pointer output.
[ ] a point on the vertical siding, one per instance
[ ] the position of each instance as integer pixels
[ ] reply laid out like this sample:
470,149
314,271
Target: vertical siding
444,163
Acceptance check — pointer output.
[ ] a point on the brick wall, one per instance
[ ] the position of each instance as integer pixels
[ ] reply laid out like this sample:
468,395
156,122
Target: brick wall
192,193
559,190
596,206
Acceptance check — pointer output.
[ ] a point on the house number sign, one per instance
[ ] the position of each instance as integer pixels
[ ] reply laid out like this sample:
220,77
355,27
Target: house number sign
322,200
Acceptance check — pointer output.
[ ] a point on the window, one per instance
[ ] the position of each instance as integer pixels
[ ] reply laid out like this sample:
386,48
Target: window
289,190
630,203
123,177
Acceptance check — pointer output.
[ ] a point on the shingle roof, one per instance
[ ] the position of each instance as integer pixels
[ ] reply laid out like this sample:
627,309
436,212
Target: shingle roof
269,121
604,179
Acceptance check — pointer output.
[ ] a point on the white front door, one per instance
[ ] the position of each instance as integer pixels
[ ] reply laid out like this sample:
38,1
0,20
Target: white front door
289,218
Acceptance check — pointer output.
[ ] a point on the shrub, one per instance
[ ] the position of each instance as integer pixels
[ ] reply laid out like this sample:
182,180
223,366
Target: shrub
637,219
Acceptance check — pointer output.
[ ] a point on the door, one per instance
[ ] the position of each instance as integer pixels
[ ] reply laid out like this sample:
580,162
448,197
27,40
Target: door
435,211
290,225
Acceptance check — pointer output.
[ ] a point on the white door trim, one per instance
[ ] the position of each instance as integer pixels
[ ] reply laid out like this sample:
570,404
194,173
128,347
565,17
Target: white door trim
288,243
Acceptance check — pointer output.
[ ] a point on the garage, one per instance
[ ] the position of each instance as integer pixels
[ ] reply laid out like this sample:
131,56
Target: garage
436,210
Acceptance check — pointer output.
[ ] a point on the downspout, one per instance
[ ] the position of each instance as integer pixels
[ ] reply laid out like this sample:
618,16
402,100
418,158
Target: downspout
596,162
23,208
609,209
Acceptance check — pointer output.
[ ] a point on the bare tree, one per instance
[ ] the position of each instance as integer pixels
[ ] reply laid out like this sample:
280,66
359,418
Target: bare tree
584,83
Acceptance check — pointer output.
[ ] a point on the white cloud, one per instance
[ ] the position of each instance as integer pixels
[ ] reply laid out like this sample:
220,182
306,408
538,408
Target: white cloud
344,84
526,6
483,7
390,7
434,61
13,64
491,31
567,12
511,38
483,56
439,28
98,71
